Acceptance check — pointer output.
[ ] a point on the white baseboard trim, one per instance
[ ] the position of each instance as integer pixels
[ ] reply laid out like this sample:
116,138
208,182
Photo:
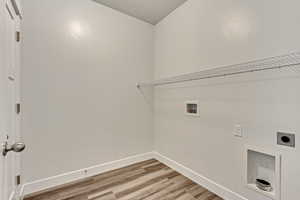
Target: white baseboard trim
212,186
39,185
43,184
12,196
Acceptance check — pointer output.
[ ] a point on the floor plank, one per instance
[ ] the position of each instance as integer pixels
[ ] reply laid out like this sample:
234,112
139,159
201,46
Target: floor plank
148,180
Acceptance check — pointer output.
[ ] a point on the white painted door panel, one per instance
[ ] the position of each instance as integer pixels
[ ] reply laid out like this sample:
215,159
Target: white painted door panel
9,95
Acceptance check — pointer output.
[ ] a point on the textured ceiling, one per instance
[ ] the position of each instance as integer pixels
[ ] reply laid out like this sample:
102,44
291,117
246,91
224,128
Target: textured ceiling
151,11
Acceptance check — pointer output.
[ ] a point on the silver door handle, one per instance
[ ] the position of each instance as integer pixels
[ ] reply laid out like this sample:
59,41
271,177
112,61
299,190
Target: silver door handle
17,147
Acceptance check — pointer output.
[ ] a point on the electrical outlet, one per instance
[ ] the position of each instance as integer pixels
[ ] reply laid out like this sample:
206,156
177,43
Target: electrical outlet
238,131
286,139
18,179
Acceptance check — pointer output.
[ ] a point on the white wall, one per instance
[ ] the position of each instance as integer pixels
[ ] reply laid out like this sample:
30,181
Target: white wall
210,33
80,63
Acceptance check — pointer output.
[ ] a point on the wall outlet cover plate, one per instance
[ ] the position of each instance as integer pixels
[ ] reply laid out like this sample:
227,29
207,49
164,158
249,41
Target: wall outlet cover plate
238,131
286,139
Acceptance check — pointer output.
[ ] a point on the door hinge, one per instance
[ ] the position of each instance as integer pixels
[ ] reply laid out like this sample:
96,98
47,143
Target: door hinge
18,180
18,108
18,36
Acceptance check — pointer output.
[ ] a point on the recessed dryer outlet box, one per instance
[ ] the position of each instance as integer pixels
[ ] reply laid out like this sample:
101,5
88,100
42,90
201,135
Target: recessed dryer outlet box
286,139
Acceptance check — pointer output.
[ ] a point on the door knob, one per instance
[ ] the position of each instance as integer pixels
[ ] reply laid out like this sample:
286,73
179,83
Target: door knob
17,147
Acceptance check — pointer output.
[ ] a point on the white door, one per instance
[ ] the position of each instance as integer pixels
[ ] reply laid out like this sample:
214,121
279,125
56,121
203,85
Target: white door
9,98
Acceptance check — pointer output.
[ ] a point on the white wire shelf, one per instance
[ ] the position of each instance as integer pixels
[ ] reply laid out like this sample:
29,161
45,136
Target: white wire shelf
277,62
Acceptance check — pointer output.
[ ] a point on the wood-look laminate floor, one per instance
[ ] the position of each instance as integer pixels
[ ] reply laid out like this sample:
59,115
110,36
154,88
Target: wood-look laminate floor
148,180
